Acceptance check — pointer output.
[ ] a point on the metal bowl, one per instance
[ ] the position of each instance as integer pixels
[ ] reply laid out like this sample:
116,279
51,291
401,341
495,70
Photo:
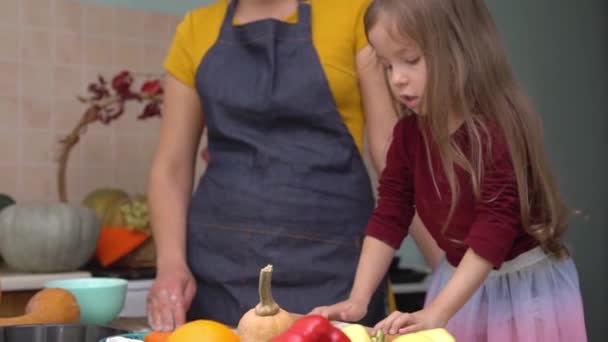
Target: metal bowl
57,333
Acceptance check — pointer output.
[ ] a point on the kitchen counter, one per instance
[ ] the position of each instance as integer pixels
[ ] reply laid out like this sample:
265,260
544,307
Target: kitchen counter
134,324
13,280
18,287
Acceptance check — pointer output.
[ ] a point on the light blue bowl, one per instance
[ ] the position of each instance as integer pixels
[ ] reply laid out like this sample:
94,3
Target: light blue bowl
100,299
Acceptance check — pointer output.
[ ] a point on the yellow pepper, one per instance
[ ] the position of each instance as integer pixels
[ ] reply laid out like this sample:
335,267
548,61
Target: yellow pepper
431,335
358,333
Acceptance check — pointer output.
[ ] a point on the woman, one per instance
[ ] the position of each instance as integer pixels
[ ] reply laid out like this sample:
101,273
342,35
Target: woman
282,88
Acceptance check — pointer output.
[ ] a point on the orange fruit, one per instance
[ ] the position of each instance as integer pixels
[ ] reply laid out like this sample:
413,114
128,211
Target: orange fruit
157,336
203,330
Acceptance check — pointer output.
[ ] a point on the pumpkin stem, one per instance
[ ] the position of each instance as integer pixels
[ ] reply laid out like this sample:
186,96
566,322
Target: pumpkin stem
267,305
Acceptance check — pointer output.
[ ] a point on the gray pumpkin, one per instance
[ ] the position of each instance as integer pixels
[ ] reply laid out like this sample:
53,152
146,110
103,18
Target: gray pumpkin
53,237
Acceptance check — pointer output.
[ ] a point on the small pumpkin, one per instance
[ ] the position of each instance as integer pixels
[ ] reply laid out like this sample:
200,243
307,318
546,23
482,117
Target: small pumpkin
5,201
100,200
266,320
48,237
48,306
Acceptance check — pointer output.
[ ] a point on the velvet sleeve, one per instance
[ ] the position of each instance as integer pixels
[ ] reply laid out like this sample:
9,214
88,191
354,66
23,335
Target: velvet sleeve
497,219
395,209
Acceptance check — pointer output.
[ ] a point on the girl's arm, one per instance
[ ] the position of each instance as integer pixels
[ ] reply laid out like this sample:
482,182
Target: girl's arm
468,277
376,257
381,117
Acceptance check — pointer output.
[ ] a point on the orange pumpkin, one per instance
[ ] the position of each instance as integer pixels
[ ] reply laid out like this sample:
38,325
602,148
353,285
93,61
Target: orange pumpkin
203,330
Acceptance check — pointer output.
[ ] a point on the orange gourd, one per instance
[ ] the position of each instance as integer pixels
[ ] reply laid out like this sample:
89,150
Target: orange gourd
48,306
203,330
266,320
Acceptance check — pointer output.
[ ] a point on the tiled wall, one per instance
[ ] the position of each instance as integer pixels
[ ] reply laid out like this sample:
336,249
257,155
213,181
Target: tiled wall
49,51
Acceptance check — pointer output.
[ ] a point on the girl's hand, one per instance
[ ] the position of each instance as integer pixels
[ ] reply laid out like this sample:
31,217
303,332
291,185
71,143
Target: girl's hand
348,311
404,323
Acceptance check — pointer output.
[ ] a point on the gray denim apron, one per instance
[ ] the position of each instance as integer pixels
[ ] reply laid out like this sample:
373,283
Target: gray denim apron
285,185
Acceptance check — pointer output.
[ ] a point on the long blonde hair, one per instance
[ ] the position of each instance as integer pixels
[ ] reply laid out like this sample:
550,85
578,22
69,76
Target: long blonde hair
468,72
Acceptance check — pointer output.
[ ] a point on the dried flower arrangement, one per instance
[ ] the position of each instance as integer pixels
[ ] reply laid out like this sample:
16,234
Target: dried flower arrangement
106,103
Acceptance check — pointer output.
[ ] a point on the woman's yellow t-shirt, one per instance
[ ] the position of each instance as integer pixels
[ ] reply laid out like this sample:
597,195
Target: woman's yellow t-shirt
338,34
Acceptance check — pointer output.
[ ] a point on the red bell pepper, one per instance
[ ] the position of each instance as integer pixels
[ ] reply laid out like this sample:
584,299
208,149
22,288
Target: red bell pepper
312,328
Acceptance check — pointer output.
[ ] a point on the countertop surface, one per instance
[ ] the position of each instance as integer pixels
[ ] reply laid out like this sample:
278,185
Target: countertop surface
134,324
13,280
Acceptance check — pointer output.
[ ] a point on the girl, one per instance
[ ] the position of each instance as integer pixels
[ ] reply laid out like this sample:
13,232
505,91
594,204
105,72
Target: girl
470,160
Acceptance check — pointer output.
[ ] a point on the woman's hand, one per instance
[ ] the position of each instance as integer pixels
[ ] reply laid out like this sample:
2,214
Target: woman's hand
170,297
348,311
404,323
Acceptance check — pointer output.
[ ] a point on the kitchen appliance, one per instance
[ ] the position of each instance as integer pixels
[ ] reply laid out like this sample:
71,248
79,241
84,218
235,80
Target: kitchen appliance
57,333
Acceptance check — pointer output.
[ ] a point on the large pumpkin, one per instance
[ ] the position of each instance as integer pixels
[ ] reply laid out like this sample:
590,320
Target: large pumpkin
51,237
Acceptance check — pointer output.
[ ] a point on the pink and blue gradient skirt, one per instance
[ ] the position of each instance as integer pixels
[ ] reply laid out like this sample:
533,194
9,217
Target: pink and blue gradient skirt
531,298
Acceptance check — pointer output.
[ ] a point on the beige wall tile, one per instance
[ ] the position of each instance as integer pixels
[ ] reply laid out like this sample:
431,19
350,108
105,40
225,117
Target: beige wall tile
97,177
127,148
36,13
156,26
98,20
38,183
98,51
68,16
8,180
36,112
66,113
37,80
9,140
132,178
129,23
67,82
128,54
38,146
154,57
9,82
172,22
98,149
36,46
9,45
9,12
68,48
9,112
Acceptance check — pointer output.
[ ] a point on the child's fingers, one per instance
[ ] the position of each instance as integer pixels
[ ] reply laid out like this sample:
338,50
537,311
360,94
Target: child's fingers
410,329
386,323
400,322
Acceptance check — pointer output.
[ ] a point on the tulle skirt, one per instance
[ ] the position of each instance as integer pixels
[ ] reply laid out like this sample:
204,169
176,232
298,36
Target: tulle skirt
532,298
